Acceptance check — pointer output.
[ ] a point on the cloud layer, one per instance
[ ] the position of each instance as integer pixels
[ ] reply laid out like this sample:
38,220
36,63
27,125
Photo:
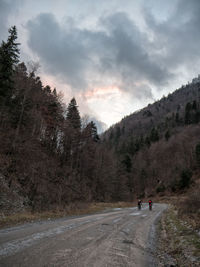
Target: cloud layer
178,37
7,9
139,48
117,52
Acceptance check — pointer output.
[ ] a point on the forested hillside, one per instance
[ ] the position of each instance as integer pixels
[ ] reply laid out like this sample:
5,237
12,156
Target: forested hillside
49,157
158,146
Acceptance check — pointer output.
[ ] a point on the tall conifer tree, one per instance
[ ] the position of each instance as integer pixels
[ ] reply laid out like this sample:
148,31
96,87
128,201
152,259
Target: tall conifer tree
73,115
9,57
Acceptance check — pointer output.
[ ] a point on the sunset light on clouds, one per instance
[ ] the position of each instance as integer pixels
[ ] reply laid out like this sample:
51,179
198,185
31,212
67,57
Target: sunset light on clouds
114,56
111,102
102,91
108,101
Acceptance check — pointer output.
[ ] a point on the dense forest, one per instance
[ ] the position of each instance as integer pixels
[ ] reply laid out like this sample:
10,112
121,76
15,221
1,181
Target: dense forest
47,155
50,157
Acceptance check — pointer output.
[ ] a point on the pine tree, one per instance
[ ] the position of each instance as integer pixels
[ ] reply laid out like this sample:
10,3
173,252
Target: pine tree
154,136
177,119
147,141
118,133
90,132
20,104
111,135
73,144
53,116
194,105
117,136
9,57
167,135
131,148
188,116
185,180
73,115
142,182
127,163
94,133
92,129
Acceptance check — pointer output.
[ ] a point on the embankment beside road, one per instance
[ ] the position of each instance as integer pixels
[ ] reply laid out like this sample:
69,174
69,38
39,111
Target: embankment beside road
178,243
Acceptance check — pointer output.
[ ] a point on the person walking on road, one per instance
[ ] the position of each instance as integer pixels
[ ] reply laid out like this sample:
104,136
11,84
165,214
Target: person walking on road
139,204
150,204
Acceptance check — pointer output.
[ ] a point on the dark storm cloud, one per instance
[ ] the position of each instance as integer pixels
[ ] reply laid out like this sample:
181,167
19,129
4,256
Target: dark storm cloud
76,55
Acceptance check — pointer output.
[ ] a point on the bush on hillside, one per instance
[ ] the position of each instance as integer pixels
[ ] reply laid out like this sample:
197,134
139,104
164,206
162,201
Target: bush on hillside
160,188
185,180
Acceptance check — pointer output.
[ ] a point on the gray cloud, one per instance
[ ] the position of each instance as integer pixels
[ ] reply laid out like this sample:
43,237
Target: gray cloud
178,37
137,47
7,8
61,50
116,49
131,55
77,55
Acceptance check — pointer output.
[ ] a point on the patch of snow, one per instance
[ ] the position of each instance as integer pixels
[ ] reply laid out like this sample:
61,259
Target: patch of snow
135,213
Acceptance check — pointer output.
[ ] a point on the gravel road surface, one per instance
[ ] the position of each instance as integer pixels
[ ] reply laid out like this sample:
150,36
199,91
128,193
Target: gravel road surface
119,237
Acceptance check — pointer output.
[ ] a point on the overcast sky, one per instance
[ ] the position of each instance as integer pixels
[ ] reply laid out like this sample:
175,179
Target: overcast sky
113,56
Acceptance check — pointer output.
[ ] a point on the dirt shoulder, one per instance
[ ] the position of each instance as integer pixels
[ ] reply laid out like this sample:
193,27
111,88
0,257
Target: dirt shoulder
73,209
179,242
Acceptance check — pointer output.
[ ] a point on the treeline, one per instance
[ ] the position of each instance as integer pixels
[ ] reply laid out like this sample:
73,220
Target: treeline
46,153
168,126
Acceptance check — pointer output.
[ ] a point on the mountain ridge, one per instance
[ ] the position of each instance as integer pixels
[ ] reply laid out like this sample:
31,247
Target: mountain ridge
167,127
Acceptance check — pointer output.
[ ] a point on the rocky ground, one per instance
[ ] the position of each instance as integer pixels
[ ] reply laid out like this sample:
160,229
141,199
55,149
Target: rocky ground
10,201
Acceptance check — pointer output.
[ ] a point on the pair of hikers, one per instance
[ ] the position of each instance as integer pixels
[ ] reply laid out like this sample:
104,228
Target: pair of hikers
140,204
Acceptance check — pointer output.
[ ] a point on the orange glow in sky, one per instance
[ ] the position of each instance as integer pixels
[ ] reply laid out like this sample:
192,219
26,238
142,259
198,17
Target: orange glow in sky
99,92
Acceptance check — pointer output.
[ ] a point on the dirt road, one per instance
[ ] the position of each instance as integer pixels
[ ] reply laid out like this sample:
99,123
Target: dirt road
120,237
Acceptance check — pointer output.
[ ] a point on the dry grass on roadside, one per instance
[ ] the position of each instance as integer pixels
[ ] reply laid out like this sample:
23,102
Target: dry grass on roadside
69,210
189,208
178,240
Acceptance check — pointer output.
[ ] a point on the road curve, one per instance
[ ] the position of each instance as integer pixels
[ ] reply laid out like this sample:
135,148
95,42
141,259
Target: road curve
119,237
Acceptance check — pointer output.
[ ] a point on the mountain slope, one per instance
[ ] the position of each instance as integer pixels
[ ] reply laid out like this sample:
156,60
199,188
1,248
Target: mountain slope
159,114
156,147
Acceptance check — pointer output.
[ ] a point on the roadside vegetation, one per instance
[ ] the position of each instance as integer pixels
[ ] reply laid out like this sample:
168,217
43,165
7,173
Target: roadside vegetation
189,208
179,242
